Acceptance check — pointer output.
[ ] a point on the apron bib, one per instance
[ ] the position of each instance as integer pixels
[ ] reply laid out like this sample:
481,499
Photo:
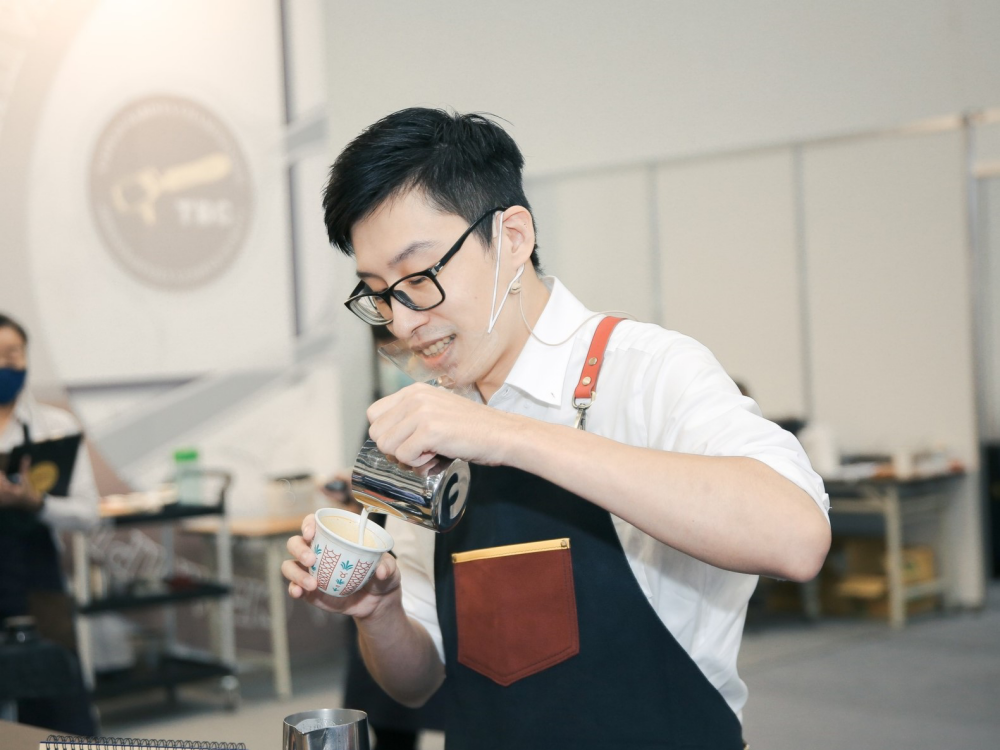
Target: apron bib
549,640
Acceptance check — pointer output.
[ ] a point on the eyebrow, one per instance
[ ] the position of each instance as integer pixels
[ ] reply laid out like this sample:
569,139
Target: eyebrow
413,247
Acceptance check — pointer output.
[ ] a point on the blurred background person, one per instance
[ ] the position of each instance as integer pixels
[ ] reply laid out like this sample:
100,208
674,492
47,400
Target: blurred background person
31,579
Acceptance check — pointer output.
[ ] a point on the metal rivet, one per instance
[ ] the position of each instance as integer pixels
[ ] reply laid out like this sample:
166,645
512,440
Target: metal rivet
586,380
592,361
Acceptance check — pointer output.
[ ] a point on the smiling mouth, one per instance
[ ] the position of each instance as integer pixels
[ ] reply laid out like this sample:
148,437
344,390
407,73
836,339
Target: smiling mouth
437,347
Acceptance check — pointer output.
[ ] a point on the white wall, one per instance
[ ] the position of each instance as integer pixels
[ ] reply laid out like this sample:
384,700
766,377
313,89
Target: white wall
781,253
588,82
729,270
125,344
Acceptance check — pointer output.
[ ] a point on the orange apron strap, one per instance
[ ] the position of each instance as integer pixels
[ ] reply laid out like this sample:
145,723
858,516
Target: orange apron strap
585,394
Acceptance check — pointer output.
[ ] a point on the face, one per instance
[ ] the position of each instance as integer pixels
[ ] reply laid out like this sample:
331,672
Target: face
408,235
13,352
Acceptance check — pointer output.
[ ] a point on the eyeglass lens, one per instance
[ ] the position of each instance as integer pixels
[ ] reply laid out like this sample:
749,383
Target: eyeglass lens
416,292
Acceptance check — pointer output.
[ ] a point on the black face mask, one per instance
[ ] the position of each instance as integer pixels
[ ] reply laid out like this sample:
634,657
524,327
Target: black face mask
11,384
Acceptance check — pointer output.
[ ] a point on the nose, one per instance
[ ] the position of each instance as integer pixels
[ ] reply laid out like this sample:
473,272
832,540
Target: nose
404,320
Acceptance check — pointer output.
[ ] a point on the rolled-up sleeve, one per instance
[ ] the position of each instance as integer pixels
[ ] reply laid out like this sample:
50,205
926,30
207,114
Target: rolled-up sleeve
693,406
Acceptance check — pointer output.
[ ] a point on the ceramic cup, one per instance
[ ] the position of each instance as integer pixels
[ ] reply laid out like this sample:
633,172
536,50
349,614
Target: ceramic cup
342,565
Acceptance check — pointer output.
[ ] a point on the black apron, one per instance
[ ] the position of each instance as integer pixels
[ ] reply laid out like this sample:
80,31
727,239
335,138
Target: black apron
631,685
29,560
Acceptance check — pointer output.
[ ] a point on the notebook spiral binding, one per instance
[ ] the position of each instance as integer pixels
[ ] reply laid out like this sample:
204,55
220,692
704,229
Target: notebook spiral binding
68,742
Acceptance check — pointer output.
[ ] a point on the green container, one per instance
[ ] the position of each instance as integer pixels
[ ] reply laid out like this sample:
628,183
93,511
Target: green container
187,476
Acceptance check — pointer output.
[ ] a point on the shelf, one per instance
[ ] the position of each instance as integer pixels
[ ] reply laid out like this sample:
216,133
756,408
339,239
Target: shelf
169,513
171,671
920,590
123,602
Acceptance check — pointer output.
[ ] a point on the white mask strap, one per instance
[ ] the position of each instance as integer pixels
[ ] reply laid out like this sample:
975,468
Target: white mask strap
494,316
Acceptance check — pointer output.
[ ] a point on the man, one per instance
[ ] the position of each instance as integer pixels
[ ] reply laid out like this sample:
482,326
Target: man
669,501
31,579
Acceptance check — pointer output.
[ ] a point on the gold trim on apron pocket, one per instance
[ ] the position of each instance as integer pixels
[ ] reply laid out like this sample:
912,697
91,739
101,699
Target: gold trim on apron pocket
510,549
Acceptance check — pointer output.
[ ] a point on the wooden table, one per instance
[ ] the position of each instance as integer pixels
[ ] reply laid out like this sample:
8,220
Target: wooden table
21,736
274,533
899,502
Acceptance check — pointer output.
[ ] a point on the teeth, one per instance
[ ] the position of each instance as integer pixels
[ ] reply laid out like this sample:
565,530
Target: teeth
437,347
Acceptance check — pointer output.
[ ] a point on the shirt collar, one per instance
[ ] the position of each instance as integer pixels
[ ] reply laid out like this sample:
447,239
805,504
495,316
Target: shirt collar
540,369
24,408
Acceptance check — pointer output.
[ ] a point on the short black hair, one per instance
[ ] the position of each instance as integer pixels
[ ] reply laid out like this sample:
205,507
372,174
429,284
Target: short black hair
464,164
8,322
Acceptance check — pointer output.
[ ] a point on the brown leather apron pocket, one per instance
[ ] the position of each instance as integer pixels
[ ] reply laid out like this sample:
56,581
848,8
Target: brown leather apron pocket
515,609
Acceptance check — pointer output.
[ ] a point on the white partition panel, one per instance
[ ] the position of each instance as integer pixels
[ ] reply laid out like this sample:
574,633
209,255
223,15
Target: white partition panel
729,270
891,329
889,293
594,234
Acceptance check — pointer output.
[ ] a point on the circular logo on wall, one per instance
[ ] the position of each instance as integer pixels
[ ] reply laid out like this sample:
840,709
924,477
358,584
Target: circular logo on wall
170,192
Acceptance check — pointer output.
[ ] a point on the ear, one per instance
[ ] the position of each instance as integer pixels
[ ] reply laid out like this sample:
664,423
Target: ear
518,234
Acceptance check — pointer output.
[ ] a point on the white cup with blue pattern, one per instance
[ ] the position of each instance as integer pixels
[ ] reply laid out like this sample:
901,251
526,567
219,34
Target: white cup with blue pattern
342,565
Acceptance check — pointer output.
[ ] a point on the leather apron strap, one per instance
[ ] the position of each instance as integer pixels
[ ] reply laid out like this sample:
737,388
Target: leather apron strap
585,392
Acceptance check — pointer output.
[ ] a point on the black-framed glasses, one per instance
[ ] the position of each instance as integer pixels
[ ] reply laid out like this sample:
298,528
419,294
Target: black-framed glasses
418,291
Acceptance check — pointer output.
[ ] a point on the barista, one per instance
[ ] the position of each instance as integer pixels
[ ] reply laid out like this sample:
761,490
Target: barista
674,496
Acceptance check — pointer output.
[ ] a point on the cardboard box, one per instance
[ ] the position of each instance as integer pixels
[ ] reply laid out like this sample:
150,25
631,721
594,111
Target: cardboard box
866,580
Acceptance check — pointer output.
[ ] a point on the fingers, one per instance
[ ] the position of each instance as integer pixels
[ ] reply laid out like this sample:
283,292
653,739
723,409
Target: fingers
301,550
308,529
390,439
386,567
387,403
388,411
25,465
298,577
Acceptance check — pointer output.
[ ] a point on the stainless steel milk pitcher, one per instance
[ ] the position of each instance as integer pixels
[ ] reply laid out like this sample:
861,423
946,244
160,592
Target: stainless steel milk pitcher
432,495
326,729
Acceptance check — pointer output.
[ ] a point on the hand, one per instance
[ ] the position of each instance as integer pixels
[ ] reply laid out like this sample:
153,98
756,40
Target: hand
21,496
419,422
380,591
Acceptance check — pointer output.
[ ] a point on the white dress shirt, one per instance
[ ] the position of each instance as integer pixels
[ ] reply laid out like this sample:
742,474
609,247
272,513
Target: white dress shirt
656,389
77,511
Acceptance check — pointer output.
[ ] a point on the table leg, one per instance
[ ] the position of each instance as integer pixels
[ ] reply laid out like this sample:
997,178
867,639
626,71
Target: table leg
226,614
81,592
894,559
169,567
810,598
276,593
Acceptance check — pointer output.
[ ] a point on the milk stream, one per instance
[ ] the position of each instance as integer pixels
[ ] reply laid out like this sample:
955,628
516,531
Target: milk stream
361,525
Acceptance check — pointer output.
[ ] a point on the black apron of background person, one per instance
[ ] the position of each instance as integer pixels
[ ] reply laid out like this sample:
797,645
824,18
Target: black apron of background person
29,562
630,686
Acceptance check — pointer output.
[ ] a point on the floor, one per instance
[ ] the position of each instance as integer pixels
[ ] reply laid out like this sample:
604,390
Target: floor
824,686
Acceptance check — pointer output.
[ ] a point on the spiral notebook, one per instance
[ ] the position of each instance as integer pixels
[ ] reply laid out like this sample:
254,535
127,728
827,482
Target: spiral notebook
63,742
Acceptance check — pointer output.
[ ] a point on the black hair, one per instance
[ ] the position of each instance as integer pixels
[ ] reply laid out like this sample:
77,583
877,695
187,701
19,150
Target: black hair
464,164
8,322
